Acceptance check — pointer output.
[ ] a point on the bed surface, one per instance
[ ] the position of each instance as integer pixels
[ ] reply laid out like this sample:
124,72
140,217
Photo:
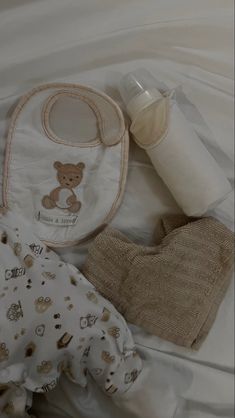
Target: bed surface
187,44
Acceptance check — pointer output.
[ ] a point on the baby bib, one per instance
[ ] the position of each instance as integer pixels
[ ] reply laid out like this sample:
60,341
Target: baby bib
66,162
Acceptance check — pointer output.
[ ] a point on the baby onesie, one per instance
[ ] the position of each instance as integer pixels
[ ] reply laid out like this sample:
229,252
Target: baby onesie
53,320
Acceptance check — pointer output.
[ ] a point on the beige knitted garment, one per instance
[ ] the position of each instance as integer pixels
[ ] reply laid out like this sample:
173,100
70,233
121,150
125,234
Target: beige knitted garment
172,290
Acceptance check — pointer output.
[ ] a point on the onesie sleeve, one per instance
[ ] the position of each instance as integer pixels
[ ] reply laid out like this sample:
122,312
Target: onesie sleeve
112,359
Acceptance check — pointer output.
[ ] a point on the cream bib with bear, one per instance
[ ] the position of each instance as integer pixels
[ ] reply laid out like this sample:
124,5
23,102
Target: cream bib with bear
66,162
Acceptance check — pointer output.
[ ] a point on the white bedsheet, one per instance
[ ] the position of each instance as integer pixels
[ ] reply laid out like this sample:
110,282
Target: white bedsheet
186,43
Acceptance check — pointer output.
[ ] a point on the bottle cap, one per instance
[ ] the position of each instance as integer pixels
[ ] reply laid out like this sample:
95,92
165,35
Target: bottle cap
139,89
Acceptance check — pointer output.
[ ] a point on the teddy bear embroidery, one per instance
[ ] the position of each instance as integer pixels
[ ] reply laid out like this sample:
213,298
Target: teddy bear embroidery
63,197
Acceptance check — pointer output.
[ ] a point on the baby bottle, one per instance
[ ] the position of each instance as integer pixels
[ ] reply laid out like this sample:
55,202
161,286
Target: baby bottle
177,153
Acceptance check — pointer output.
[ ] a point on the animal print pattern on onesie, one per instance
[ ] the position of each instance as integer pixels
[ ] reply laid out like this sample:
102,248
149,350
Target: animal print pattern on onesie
52,320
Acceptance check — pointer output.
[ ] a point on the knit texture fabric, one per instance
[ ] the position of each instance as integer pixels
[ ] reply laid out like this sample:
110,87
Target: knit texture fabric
172,290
